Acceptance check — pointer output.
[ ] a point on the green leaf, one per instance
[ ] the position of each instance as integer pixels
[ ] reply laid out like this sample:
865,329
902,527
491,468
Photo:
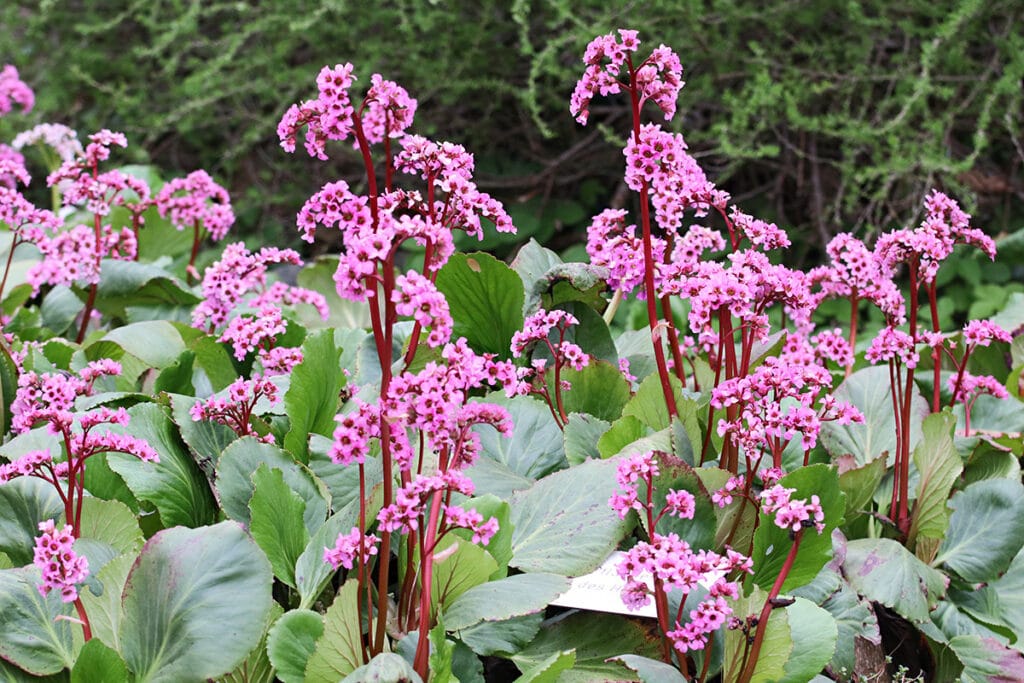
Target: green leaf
648,405
242,458
97,662
206,439
256,668
535,447
549,669
868,390
580,437
986,529
339,651
175,485
775,648
177,377
815,634
195,603
859,484
938,466
532,262
213,369
111,522
34,638
276,521
986,660
156,342
599,389
499,600
651,670
127,283
1009,591
456,572
490,476
24,503
384,668
855,618
312,397
772,544
884,571
571,504
485,298
501,638
104,610
595,637
344,314
624,431
442,652
291,642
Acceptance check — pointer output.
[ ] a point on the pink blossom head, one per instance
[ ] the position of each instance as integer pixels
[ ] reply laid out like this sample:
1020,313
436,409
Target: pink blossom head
196,200
13,90
657,78
389,110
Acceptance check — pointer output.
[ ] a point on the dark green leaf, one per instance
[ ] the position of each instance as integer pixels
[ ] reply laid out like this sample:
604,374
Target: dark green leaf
276,514
485,298
24,503
97,662
535,448
312,397
986,529
291,641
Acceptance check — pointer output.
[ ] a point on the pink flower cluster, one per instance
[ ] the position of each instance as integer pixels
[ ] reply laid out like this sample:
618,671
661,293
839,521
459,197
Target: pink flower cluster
642,468
893,344
13,90
966,388
928,245
857,273
348,547
12,168
777,401
658,78
790,514
194,201
56,136
55,557
234,407
50,397
239,273
537,329
387,111
673,564
984,332
406,513
74,256
416,296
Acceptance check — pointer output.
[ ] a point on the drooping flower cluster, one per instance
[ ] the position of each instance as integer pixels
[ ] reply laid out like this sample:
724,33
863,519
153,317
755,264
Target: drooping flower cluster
73,256
196,201
856,273
927,246
657,78
13,91
406,513
388,111
235,406
348,547
776,402
61,567
415,295
790,514
58,137
667,562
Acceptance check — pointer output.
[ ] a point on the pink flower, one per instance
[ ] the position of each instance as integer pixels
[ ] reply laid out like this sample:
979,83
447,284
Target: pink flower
196,201
61,567
13,89
348,547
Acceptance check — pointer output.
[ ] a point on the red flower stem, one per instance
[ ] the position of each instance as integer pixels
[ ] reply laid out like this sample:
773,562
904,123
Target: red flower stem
86,628
15,242
936,356
960,375
649,292
762,623
361,571
854,306
196,243
421,660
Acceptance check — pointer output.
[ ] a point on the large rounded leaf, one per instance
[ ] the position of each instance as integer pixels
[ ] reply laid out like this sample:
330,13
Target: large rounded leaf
986,529
35,631
884,571
868,390
563,524
535,448
486,301
195,603
24,502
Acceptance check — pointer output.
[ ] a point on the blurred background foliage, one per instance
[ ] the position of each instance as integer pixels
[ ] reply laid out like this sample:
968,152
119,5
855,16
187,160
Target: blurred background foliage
822,115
